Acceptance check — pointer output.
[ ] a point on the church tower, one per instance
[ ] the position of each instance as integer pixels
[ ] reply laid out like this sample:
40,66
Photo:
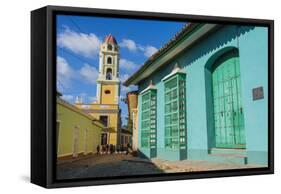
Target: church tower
108,83
106,107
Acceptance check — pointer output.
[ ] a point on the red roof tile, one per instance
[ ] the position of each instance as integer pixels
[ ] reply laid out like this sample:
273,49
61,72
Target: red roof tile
110,39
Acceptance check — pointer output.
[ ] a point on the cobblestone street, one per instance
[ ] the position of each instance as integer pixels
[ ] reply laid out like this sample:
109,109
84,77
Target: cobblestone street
104,166
122,165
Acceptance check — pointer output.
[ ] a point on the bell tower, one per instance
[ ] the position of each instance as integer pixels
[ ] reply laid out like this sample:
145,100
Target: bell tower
106,107
108,83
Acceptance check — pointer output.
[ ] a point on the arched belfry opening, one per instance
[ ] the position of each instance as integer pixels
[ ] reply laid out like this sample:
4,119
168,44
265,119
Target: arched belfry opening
109,47
109,60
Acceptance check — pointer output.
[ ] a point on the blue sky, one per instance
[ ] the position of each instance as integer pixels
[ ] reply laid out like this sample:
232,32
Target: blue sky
78,40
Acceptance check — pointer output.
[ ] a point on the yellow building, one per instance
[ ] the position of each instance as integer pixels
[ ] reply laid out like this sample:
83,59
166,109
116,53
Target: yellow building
106,107
78,133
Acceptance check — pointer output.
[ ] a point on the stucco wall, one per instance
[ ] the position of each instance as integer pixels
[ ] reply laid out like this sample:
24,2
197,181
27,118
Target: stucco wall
68,120
252,45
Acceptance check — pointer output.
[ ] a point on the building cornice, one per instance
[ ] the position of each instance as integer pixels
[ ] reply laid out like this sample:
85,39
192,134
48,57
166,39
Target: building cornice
150,87
175,71
105,81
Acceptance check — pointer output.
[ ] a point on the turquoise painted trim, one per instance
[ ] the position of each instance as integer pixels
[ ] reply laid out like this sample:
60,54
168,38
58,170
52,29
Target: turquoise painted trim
169,77
217,54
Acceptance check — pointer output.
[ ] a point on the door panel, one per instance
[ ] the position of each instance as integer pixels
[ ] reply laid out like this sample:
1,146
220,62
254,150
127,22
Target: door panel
228,110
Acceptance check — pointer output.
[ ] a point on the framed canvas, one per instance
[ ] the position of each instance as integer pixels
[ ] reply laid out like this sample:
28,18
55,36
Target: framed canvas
126,96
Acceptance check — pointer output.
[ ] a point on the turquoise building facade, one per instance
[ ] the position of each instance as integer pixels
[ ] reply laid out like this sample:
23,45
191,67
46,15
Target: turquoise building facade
210,85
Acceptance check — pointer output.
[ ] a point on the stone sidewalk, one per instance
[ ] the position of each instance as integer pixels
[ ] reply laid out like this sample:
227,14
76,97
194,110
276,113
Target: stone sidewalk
196,165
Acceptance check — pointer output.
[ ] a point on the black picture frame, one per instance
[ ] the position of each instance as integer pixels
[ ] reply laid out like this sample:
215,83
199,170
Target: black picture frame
43,95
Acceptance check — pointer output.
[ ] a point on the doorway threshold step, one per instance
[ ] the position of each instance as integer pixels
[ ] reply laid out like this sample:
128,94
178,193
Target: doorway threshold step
241,152
233,156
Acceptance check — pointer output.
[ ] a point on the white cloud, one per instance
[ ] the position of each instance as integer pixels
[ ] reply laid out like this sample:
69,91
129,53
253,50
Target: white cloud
89,74
129,44
149,51
68,97
127,65
87,98
124,77
64,74
83,44
125,90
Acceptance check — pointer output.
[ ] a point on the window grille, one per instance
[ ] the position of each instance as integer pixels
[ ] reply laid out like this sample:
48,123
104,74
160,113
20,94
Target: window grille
148,119
175,112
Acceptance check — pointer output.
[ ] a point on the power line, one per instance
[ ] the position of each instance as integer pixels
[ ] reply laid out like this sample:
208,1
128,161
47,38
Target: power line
79,28
81,31
75,24
82,59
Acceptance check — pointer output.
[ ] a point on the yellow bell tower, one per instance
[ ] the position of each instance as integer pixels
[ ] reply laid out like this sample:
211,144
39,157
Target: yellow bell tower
108,82
106,107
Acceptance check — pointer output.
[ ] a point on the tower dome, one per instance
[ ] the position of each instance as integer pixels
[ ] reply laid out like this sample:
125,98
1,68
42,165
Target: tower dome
110,39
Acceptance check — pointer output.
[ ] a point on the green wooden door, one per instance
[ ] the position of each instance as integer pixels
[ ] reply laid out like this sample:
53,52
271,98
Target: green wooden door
228,110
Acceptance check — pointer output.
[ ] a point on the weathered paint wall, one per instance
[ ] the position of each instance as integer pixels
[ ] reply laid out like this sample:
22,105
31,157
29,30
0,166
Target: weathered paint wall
196,61
68,120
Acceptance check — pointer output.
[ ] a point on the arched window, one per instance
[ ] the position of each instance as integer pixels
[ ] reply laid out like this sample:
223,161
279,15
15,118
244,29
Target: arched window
109,47
108,74
109,60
